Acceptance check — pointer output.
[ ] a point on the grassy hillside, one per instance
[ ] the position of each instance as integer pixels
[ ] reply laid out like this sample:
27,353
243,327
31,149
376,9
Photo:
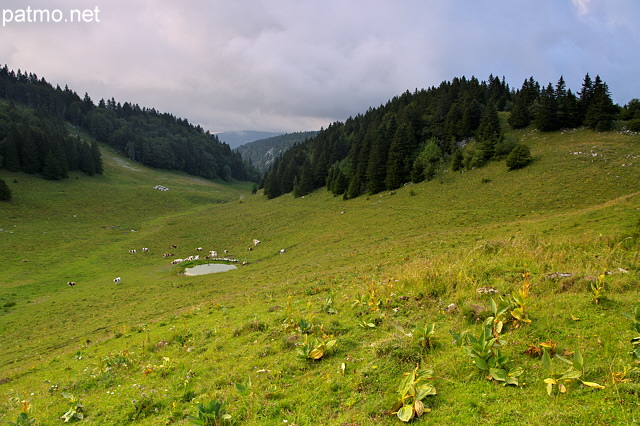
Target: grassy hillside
365,273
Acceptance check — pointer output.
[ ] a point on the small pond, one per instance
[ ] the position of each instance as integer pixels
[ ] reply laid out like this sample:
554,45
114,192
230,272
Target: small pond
209,268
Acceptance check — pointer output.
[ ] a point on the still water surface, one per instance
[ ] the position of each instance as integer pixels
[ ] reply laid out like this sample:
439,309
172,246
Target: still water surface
209,268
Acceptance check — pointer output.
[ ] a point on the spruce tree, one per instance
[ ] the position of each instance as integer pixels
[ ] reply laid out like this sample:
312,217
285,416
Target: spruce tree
29,160
97,158
521,114
489,131
600,111
584,101
561,95
519,117
519,157
340,183
5,192
11,156
398,165
87,164
52,168
376,169
305,183
354,189
545,120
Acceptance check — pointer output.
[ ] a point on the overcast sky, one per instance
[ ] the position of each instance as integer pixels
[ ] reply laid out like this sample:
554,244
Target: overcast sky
293,65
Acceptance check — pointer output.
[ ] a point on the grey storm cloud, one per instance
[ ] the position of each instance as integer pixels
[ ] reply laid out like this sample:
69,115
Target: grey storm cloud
287,65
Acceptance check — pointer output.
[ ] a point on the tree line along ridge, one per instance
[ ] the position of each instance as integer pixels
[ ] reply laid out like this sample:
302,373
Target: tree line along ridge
144,135
455,124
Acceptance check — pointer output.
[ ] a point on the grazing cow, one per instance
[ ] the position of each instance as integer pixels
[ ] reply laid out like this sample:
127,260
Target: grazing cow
132,251
199,249
117,280
283,251
145,249
71,283
226,251
174,246
213,253
256,242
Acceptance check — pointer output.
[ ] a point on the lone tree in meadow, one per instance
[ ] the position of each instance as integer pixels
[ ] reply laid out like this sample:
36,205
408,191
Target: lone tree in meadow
519,157
5,192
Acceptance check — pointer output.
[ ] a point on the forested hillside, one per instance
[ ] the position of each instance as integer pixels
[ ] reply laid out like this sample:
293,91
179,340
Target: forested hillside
416,134
263,152
145,135
38,143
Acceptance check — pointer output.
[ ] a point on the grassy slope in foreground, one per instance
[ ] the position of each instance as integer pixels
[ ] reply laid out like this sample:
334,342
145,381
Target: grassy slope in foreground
166,341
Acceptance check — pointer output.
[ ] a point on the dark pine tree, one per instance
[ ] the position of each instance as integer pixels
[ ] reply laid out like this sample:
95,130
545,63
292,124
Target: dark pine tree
545,120
5,192
376,168
10,151
272,181
489,131
521,114
97,158
561,95
397,170
585,95
601,111
52,169
305,183
87,164
29,160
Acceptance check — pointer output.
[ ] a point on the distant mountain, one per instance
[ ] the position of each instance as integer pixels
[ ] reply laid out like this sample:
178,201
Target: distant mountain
240,137
262,153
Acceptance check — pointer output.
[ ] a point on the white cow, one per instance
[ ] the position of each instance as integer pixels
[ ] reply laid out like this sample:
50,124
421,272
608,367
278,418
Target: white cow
117,280
256,242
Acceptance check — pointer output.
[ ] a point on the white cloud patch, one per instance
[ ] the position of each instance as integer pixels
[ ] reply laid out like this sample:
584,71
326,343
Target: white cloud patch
582,6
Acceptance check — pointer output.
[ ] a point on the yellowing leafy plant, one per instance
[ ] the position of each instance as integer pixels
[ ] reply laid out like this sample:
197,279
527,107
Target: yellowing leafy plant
76,409
412,390
376,297
314,348
519,301
328,307
499,314
487,355
575,372
23,418
635,317
597,288
424,336
210,414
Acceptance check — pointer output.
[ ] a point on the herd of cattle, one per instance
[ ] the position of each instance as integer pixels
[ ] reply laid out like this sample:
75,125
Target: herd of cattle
213,255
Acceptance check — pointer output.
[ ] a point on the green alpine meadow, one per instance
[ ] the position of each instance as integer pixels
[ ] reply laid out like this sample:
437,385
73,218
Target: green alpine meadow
328,331
487,274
